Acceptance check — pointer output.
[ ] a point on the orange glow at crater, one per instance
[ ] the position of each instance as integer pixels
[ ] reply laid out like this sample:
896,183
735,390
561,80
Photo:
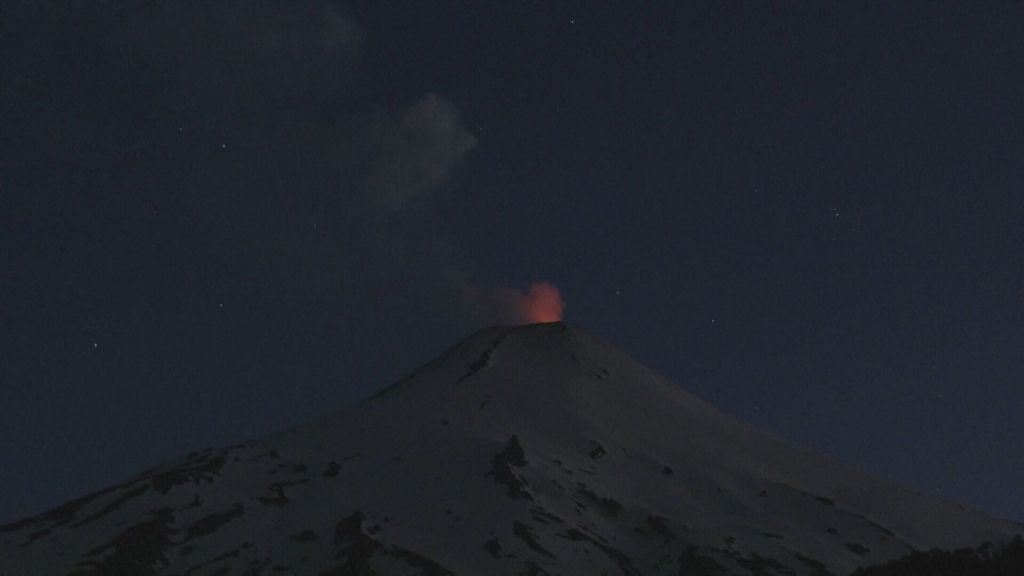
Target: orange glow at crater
540,303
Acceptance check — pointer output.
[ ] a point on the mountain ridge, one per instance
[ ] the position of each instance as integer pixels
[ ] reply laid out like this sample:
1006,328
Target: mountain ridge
537,449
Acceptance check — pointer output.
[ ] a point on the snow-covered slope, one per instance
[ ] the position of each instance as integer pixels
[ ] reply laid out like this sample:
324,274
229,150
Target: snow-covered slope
532,450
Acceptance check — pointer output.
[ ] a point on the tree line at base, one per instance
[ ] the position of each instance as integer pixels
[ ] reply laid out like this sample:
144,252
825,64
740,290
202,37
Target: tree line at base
985,560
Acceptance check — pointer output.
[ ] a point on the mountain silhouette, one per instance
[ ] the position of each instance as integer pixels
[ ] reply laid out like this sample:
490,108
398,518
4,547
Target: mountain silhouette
522,450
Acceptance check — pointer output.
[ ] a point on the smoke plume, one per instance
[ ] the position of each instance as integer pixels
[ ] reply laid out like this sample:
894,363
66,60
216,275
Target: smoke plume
540,303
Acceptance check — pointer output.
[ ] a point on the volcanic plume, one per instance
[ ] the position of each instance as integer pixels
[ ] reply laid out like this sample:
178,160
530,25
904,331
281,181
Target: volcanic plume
540,303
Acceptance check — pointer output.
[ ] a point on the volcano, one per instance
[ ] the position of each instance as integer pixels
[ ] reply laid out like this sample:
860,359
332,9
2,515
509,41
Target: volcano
530,450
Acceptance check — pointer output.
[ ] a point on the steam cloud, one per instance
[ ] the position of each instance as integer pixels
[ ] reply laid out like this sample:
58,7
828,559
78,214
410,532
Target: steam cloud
417,152
540,303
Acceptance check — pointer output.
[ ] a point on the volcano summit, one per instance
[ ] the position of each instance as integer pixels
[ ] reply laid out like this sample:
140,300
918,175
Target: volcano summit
530,450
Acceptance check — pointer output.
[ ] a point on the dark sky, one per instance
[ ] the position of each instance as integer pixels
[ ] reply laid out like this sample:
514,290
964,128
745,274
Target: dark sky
219,219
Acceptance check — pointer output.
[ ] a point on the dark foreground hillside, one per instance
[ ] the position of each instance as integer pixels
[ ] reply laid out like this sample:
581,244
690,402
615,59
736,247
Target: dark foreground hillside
986,560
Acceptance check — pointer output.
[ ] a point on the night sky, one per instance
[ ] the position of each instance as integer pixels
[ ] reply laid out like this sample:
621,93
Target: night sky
220,219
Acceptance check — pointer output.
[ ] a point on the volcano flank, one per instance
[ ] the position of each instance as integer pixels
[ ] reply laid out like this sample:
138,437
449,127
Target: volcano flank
531,450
